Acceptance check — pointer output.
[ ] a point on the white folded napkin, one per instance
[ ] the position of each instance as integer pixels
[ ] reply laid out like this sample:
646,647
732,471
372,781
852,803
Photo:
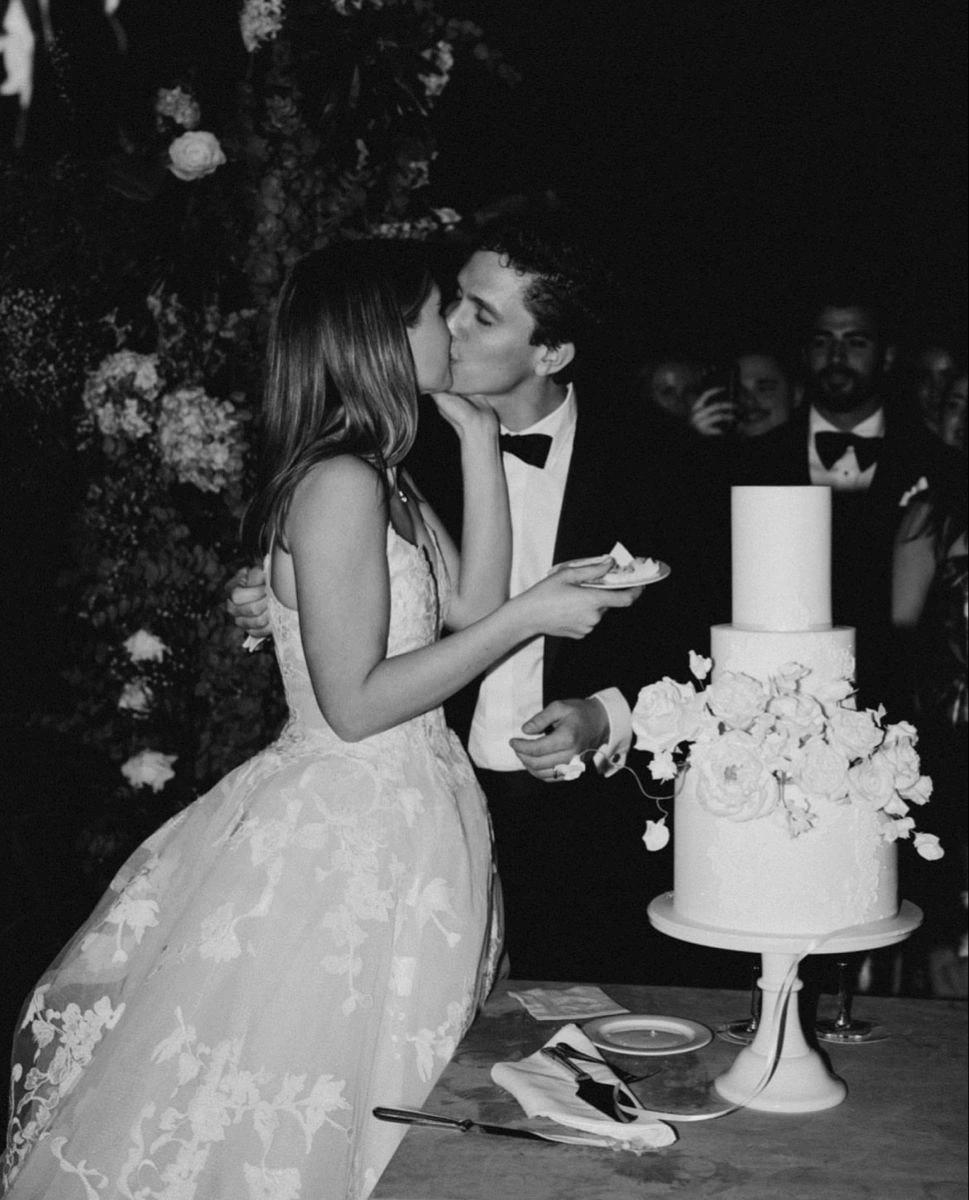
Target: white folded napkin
544,1088
581,1002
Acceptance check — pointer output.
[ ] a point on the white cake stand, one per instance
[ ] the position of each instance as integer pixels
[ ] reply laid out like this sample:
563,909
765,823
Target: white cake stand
800,1081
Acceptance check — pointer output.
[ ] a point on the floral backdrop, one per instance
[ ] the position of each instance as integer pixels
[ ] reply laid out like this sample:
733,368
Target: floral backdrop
153,214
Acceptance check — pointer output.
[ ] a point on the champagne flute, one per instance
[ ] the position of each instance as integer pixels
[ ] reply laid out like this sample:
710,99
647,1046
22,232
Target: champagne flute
745,1029
844,1027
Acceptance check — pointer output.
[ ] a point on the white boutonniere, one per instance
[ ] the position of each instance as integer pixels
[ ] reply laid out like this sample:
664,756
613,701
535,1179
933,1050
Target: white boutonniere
919,486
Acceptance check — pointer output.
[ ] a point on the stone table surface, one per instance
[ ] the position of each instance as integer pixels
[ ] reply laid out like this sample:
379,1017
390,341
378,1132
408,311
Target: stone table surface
899,1135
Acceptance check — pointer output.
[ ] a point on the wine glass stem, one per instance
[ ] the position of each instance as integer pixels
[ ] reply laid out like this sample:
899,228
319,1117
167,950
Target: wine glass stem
756,1000
845,996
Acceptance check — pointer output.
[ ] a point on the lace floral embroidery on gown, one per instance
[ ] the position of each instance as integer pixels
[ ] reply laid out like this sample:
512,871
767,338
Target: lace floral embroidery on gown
307,940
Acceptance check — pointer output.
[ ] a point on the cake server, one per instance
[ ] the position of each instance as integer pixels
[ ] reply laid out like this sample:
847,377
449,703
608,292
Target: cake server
411,1116
603,1096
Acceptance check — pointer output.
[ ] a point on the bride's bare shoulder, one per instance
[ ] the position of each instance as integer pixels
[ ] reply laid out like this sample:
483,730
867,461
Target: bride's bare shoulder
344,477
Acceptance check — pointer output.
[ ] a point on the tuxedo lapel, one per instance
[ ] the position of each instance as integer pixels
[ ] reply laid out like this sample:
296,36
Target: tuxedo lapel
581,518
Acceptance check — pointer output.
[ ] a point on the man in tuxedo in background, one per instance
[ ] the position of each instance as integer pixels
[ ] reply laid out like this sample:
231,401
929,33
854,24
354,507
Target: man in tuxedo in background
860,437
575,875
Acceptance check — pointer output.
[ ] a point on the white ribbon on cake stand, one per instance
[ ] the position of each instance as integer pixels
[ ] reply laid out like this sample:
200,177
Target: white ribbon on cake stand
779,1071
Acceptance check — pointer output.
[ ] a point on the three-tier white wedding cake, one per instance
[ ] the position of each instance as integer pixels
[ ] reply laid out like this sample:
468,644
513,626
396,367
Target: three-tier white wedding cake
789,800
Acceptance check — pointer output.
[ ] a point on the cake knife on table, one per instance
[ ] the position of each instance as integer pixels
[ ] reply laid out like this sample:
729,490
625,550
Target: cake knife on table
411,1116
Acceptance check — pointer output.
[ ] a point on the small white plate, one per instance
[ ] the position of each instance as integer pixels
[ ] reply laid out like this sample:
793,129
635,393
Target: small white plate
633,579
635,1033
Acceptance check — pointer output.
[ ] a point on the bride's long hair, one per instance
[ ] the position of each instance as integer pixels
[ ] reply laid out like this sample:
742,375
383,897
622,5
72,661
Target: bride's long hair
340,377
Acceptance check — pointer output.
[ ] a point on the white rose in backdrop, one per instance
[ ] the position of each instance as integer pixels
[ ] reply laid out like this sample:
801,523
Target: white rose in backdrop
195,155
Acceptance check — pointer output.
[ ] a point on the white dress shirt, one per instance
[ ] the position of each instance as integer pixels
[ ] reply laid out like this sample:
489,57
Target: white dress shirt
845,475
511,690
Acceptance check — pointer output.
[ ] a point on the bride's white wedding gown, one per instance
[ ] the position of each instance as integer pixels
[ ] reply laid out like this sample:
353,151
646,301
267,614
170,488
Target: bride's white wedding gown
305,941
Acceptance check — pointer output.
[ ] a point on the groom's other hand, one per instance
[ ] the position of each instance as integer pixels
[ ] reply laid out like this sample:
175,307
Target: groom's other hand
566,728
247,601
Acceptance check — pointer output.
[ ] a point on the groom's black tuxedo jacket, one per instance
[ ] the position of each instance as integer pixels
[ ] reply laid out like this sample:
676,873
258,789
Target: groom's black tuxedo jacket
864,526
570,854
624,484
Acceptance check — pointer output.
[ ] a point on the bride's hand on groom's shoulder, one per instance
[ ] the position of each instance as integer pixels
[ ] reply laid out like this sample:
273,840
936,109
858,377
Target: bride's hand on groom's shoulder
247,602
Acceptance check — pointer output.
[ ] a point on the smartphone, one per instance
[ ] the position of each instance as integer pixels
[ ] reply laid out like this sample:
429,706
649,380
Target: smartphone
727,380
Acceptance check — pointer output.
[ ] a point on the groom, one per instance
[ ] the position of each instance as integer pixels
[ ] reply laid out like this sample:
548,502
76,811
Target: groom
575,875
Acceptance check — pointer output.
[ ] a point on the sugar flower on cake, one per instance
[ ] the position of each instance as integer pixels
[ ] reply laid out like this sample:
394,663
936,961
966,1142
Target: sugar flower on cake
822,770
927,844
736,699
666,714
732,779
779,748
854,733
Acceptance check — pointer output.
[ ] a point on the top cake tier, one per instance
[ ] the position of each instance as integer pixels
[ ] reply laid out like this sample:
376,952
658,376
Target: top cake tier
781,558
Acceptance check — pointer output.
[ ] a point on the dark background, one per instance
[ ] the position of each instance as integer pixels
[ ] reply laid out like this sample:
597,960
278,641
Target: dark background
727,151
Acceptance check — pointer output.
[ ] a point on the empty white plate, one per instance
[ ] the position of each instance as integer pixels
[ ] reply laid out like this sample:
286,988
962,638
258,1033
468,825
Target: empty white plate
645,1033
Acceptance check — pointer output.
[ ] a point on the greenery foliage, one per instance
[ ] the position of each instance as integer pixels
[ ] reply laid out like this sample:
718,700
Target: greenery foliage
138,264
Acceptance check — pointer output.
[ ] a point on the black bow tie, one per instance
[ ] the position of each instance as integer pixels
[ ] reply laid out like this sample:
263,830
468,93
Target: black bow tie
831,445
532,448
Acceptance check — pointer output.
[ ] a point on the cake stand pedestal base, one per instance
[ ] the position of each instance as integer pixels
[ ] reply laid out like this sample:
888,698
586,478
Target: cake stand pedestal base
800,1080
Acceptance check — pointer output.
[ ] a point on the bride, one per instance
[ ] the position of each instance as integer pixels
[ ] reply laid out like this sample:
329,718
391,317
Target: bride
311,937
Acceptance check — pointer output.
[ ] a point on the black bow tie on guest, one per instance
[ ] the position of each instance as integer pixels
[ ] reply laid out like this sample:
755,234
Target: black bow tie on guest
531,448
831,445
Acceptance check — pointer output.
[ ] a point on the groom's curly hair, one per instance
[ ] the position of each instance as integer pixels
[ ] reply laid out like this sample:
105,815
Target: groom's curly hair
569,289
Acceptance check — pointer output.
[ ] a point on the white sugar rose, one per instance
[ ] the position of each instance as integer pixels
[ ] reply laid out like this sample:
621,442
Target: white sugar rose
895,806
789,675
900,731
736,699
145,647
149,768
873,781
822,771
799,714
666,714
732,780
920,792
194,155
855,733
700,666
901,753
901,827
779,742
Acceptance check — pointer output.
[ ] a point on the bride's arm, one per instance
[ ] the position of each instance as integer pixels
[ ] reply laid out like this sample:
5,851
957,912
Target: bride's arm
336,533
482,568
